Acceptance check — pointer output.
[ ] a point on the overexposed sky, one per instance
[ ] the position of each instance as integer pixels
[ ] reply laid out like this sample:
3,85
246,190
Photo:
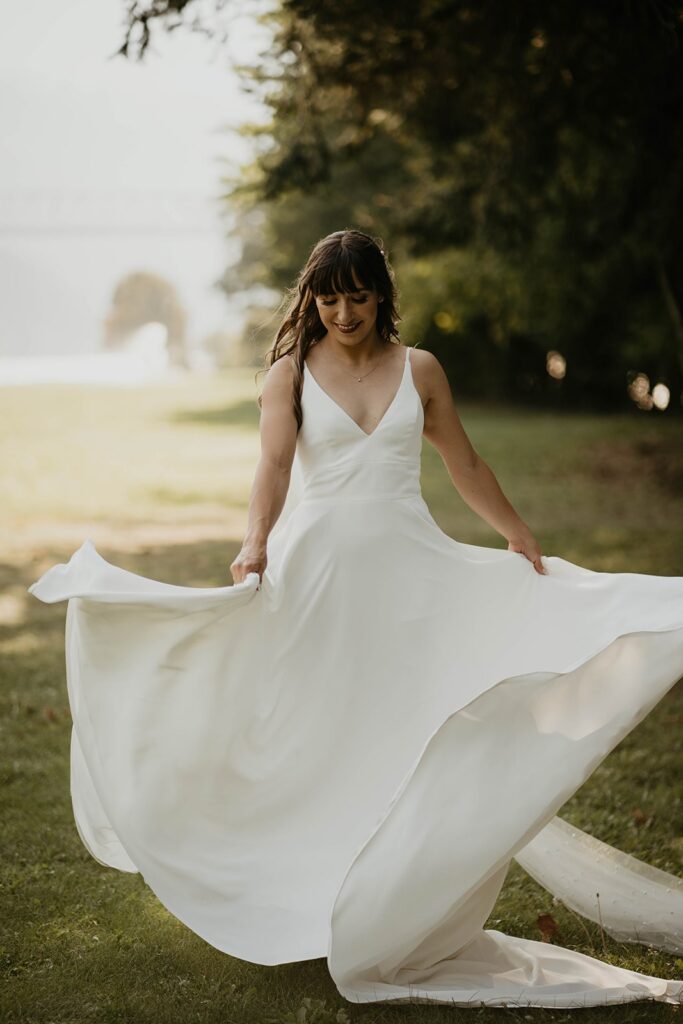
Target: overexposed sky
70,117
110,166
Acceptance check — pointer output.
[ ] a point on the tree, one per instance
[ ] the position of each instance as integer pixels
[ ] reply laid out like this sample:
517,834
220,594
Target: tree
545,138
142,298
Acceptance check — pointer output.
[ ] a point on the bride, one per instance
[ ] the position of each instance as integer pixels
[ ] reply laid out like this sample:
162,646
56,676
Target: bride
340,754
341,330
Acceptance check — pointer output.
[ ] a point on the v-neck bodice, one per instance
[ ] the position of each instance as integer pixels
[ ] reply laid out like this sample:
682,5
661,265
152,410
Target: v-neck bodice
339,460
365,433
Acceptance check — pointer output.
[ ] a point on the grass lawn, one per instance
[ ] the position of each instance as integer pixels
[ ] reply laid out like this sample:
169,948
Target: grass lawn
159,479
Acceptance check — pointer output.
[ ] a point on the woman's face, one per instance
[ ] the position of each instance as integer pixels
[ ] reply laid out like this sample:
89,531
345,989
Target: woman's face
349,318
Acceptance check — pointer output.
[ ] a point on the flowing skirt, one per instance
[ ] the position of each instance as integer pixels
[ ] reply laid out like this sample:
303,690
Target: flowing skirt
344,759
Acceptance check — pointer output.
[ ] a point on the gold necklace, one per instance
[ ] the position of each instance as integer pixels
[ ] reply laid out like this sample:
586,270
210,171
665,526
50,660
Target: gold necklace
365,374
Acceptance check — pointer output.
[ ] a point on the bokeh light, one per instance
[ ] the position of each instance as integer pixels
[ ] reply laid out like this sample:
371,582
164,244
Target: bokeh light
639,390
556,365
444,321
661,396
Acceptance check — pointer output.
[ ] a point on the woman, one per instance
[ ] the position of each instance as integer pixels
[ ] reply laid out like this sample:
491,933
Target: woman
341,753
341,332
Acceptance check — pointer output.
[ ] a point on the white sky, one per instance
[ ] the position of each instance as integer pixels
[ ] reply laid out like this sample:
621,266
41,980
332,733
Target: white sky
93,148
70,117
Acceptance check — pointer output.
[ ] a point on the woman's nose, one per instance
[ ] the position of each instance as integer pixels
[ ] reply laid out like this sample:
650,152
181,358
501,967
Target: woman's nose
345,311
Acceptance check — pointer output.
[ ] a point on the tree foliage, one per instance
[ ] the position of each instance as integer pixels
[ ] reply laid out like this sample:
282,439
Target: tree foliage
523,161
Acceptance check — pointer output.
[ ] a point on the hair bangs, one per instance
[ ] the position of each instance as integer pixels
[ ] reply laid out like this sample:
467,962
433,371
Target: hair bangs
336,276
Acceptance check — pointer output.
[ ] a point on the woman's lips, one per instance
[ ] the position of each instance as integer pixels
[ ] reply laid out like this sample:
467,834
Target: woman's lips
347,329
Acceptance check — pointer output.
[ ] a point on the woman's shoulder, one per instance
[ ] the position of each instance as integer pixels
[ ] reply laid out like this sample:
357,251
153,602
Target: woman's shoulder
279,376
429,375
283,368
424,361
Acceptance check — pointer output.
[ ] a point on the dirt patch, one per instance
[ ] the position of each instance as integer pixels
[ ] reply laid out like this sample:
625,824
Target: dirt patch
659,461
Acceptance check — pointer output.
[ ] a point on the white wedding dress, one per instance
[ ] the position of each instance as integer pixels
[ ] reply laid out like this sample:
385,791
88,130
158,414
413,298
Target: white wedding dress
343,759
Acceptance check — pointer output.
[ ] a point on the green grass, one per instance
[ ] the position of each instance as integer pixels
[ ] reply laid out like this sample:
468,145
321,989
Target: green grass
159,479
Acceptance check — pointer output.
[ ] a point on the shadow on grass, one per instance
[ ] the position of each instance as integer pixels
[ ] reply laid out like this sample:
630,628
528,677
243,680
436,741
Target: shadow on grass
244,414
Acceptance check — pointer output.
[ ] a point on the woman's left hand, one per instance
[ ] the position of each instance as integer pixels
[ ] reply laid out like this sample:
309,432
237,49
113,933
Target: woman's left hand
528,546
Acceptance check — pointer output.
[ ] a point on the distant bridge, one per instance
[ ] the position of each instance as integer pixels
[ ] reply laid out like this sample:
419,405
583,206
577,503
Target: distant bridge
109,212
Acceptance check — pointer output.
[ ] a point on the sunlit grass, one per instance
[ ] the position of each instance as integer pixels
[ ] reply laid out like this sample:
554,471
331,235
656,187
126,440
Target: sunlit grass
128,456
159,479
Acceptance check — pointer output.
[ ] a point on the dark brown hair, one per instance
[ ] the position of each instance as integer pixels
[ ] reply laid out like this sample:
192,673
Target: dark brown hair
330,270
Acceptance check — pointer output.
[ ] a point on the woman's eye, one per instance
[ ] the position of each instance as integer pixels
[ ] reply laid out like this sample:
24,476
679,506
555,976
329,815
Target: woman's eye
333,302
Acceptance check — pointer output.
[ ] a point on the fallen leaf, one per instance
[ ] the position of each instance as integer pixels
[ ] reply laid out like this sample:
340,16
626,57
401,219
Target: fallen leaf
548,927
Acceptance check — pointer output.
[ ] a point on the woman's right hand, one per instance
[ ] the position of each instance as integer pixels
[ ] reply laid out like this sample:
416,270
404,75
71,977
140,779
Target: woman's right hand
252,558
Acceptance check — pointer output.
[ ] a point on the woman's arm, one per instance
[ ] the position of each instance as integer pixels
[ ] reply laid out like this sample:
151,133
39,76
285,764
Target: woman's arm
278,430
471,476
